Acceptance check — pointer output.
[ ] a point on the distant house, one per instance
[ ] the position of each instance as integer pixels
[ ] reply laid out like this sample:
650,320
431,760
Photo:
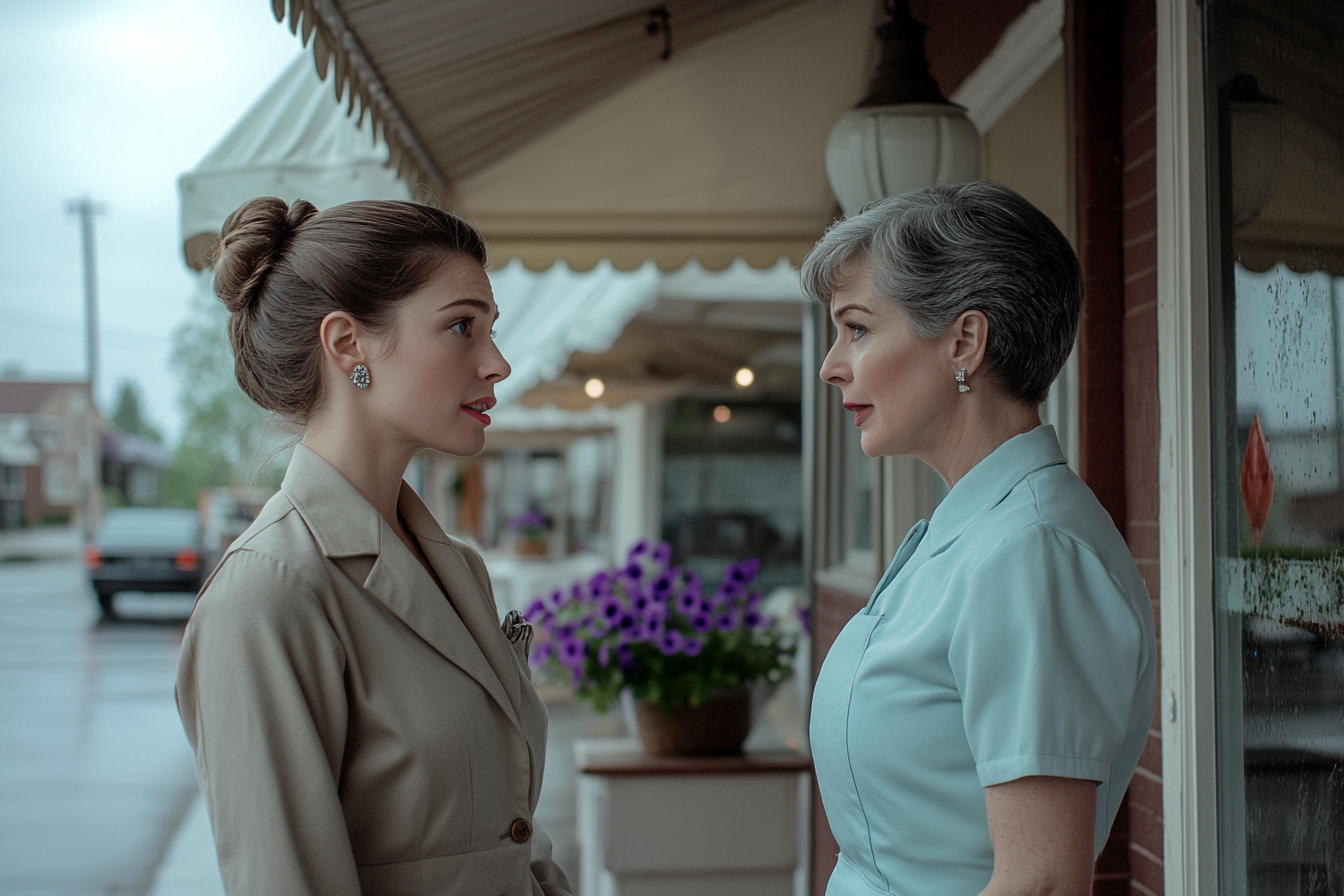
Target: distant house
49,446
133,466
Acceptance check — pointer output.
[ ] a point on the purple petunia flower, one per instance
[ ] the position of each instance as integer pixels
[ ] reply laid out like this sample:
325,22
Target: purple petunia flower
633,572
557,598
707,605
805,619
577,591
663,584
662,554
626,621
692,646
702,623
572,651
688,603
752,619
541,655
639,602
749,568
693,580
611,608
625,656
672,642
604,655
653,626
536,610
567,630
637,550
731,590
727,622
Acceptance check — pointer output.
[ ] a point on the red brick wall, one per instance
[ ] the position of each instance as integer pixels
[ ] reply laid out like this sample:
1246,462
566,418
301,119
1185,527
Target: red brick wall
961,34
1114,96
1138,114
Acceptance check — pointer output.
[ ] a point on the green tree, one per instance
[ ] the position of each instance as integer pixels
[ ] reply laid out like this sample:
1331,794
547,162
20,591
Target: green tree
226,439
128,413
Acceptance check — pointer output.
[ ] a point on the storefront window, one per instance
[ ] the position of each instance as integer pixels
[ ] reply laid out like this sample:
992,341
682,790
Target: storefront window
1275,91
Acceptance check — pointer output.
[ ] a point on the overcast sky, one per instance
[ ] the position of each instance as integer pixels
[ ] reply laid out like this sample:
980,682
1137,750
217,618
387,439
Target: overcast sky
114,99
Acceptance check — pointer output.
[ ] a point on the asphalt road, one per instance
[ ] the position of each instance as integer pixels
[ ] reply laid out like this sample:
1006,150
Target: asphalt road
95,772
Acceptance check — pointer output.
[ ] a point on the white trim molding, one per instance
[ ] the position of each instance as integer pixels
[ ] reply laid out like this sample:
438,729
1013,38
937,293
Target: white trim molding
1189,751
1028,47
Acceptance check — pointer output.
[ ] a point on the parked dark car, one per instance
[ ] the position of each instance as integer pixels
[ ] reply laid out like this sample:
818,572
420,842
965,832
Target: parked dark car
146,549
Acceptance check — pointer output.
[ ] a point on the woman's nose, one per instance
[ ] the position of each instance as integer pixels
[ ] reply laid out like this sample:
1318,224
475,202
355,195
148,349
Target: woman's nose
495,368
833,370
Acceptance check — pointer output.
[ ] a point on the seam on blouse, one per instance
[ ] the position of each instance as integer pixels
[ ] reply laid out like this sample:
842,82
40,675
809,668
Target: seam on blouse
849,760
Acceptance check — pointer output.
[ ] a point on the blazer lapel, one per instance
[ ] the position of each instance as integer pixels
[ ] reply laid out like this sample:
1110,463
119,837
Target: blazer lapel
476,612
345,525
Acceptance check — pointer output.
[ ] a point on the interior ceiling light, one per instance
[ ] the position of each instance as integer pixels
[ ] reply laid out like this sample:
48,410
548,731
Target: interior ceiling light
722,414
904,134
744,376
594,388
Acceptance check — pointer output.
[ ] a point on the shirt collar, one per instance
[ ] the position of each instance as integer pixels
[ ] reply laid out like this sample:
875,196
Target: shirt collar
987,483
342,522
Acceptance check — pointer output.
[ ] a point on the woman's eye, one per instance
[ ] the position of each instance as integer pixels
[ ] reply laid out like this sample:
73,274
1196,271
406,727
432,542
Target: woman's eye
461,327
858,332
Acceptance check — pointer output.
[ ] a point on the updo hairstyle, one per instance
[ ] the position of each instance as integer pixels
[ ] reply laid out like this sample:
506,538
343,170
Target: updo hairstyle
280,269
942,250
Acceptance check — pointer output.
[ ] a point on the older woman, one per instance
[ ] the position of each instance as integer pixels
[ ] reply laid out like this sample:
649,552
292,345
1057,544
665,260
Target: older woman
975,727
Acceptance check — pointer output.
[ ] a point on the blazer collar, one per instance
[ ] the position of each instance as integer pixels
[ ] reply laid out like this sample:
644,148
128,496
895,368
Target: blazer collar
989,482
344,524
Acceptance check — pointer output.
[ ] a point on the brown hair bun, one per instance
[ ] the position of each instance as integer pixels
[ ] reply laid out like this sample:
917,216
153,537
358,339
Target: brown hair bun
252,242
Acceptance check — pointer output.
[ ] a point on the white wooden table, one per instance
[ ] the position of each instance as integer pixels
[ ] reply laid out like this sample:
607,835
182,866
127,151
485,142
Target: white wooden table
708,826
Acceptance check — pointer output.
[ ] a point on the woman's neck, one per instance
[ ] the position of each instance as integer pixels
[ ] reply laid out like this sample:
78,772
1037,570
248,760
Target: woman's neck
367,461
972,435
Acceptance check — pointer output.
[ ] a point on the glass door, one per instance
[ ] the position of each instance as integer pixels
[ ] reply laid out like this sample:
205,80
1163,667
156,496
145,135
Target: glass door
1275,84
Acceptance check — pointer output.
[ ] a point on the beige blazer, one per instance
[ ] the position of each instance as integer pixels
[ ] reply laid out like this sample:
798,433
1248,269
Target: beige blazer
354,731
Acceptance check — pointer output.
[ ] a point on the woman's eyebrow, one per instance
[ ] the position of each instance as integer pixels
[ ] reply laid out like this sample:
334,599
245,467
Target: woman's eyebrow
474,303
852,306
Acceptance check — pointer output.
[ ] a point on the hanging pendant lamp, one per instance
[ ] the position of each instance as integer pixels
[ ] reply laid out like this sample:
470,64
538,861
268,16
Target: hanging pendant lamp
904,134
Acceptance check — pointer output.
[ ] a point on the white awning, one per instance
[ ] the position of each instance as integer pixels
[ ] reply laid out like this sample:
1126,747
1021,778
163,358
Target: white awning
296,142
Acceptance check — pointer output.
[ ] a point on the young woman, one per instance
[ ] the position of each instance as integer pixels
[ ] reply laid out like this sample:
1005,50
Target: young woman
361,722
975,727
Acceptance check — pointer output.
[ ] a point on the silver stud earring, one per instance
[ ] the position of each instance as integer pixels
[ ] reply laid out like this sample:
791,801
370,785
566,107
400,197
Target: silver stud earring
360,376
961,381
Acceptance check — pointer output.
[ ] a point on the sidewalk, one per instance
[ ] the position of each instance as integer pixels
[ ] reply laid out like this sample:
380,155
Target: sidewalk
189,867
40,543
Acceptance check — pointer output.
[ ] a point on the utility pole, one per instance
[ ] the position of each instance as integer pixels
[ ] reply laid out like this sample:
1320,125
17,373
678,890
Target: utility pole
86,208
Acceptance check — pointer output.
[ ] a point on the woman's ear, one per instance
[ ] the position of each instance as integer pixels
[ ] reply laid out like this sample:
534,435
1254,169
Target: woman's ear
969,337
342,341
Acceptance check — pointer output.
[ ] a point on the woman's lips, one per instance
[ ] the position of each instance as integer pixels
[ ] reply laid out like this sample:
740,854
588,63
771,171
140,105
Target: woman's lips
479,407
861,412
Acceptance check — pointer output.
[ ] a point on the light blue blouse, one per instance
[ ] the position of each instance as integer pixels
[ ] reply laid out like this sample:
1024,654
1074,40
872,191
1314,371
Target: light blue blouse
1011,636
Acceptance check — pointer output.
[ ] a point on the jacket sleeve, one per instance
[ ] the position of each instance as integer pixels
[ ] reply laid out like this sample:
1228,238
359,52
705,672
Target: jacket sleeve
548,879
262,698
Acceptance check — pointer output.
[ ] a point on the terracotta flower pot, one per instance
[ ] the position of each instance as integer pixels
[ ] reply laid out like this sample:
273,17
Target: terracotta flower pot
714,728
525,546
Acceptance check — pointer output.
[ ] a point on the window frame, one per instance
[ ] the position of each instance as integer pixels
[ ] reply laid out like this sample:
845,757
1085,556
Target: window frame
1187,684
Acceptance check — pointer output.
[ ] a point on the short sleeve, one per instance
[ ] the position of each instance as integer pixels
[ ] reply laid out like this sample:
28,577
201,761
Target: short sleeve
1046,655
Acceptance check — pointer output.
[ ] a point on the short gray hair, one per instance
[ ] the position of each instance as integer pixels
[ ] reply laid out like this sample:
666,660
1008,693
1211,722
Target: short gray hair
942,250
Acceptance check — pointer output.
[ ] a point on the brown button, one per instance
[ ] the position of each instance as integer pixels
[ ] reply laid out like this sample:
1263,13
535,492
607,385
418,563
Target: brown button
521,832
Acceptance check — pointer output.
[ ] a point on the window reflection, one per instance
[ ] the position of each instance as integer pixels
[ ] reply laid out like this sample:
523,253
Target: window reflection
1276,84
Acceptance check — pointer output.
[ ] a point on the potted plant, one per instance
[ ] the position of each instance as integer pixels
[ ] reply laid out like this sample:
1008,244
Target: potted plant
531,533
689,656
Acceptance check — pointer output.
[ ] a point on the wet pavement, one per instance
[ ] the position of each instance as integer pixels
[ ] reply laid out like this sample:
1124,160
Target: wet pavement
95,773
